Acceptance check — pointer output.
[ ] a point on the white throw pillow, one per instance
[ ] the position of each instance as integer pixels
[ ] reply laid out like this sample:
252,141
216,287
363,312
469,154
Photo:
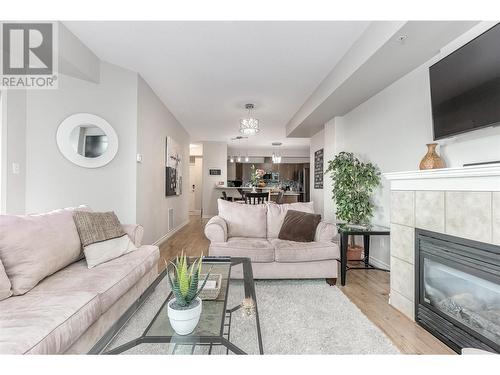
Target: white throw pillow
101,252
276,214
243,220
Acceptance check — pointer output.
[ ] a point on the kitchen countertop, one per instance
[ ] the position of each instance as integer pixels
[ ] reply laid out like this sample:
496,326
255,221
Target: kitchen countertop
264,188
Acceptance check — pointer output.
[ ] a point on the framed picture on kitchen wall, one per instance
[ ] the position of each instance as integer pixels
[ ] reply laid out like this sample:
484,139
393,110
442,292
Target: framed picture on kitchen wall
318,169
173,166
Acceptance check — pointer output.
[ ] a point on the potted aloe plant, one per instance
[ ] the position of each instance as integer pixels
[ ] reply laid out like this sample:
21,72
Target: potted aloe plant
185,309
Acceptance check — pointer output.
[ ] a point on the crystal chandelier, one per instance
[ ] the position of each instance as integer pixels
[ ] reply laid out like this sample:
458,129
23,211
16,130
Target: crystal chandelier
276,156
249,125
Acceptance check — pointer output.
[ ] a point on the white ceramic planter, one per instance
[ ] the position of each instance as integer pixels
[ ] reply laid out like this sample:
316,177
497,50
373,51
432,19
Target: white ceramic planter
184,321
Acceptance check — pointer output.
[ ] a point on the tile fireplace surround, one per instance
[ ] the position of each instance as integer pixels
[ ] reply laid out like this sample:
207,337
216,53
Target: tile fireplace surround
463,202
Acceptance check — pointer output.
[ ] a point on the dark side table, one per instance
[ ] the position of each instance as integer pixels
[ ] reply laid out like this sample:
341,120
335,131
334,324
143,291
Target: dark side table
345,230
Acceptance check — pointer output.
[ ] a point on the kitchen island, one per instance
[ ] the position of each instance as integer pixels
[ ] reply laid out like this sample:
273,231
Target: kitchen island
289,196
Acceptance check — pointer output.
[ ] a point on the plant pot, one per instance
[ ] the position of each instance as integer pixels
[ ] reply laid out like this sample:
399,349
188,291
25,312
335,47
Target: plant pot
355,252
184,321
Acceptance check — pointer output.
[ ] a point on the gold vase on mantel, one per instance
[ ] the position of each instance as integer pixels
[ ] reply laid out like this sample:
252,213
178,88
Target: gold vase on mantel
431,160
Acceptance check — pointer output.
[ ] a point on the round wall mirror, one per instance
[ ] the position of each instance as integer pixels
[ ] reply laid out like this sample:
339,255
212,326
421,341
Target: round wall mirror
87,140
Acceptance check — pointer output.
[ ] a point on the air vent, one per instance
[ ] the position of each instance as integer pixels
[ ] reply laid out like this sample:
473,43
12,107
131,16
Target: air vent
170,219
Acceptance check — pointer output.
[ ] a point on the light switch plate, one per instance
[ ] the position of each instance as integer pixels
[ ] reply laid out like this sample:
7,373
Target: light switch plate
16,168
139,158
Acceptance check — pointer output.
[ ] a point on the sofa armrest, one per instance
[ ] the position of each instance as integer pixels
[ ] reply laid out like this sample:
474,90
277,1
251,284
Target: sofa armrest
216,229
135,232
325,232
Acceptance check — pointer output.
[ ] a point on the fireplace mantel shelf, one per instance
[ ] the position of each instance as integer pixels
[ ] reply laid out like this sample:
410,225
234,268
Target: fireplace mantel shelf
473,178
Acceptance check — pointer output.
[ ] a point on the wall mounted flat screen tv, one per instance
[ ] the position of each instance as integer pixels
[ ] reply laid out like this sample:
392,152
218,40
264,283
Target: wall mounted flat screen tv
465,87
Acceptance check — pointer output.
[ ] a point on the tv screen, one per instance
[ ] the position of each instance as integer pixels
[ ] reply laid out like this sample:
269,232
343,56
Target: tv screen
465,87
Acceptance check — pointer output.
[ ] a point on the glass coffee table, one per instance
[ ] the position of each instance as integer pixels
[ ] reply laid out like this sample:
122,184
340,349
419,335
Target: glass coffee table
228,324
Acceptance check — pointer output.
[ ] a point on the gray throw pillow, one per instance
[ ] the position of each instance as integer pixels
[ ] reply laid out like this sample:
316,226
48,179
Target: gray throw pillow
299,226
96,227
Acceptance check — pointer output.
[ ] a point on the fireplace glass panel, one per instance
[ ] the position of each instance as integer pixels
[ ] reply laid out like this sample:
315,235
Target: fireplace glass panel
472,301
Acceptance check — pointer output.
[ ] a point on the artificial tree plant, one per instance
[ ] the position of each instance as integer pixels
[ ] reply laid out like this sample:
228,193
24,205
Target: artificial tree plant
353,186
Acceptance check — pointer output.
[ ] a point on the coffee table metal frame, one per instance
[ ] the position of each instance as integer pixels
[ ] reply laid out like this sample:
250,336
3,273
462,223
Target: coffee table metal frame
225,330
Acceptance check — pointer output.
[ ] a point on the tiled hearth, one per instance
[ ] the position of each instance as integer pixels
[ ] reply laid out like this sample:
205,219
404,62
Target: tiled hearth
463,202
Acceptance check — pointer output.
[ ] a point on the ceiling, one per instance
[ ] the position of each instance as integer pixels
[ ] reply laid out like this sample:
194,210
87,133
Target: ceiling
205,72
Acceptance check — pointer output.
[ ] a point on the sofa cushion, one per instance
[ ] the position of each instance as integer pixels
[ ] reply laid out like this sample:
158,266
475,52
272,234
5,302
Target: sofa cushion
109,280
5,286
299,226
33,247
276,214
290,251
243,220
46,323
326,232
259,250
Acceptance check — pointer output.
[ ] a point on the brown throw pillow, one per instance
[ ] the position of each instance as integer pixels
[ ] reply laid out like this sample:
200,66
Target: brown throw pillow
299,226
96,227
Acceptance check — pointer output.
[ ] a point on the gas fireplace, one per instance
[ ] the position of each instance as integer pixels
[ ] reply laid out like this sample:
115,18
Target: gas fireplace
457,290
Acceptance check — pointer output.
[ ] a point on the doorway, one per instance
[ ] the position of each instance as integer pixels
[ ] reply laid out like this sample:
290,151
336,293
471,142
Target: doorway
195,180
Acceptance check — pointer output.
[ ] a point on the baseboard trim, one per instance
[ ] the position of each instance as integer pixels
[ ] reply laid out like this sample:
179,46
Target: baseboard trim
195,213
165,237
208,216
378,263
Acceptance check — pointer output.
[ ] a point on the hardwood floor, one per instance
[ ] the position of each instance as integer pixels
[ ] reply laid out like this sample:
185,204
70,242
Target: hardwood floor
368,290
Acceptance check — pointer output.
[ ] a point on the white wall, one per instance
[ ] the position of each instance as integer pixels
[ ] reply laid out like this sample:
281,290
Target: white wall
47,181
317,143
214,157
329,154
391,130
231,170
13,150
54,182
154,124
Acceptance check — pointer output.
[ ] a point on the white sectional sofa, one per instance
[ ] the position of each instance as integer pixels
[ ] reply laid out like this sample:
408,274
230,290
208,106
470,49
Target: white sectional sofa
71,307
252,231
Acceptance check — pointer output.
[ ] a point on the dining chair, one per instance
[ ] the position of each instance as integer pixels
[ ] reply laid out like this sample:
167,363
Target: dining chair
240,199
279,198
256,198
225,197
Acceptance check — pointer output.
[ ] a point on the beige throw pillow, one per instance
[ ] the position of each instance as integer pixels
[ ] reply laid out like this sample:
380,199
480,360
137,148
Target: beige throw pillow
97,226
5,286
102,237
243,220
33,247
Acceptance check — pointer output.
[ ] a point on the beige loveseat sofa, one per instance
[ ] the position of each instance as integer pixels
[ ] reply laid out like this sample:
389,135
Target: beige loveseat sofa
252,231
71,307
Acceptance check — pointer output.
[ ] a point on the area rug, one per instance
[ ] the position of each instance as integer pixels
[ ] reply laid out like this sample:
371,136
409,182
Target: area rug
296,317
